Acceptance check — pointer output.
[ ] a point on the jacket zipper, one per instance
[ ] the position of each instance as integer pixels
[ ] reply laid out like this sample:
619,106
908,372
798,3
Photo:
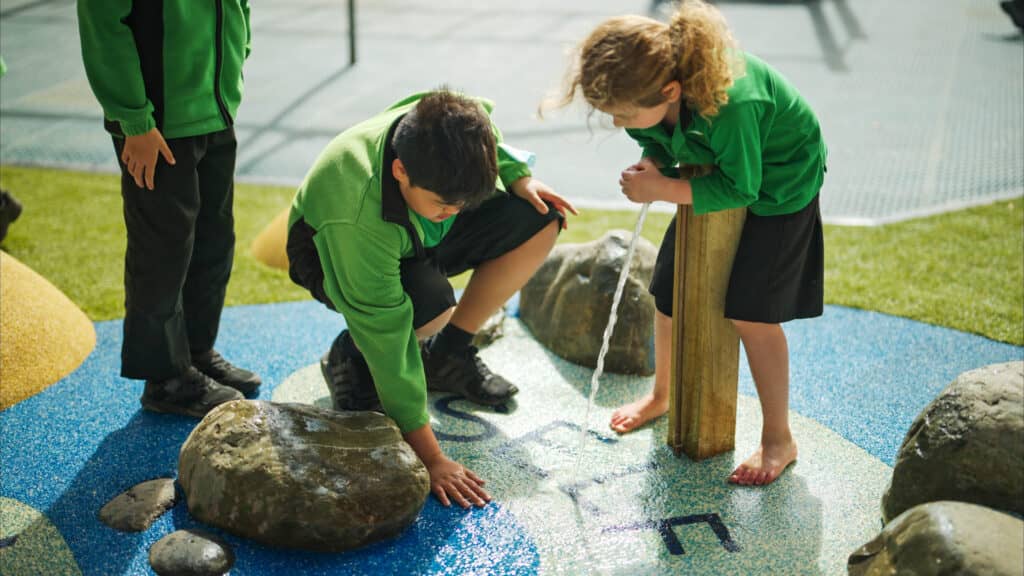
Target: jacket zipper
219,63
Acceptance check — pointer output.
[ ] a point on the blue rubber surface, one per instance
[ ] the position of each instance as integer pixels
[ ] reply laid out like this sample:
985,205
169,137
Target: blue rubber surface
73,447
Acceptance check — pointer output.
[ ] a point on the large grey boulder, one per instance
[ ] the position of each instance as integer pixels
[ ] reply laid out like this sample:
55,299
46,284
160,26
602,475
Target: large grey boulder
567,303
298,476
967,445
944,538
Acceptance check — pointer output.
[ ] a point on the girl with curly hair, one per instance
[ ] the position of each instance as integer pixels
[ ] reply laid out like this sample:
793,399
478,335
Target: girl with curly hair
719,129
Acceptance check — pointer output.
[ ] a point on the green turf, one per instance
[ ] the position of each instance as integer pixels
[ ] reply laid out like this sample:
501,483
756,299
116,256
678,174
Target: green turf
964,270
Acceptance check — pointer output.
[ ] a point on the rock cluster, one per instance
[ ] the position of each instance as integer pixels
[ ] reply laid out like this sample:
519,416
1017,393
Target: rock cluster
957,472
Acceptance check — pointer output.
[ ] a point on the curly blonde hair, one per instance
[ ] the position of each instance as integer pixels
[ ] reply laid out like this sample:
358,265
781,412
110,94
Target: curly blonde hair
627,60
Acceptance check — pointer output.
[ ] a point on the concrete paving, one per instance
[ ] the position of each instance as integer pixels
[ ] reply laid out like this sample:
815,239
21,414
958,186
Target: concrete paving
919,101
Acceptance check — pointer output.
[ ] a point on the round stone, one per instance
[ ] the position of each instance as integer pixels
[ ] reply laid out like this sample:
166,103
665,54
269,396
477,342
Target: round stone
191,553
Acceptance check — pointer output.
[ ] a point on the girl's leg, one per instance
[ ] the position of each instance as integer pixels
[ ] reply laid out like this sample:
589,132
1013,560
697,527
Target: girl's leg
654,404
768,356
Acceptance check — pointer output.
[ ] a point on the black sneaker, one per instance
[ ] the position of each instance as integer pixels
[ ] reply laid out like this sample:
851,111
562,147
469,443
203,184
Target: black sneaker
349,381
215,366
191,394
467,375
10,209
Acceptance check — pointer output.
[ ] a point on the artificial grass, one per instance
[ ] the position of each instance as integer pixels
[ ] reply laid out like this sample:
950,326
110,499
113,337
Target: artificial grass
964,270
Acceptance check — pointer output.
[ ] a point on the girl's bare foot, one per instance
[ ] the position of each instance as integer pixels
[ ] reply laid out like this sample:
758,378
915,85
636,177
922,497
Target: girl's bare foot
635,414
765,465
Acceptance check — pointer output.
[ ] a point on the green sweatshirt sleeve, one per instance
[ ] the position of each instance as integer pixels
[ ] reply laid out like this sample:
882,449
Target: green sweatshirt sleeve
510,168
651,148
112,64
736,140
364,283
248,28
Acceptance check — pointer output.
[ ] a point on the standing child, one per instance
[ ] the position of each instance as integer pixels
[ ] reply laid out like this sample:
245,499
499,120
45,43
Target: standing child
169,78
391,208
690,98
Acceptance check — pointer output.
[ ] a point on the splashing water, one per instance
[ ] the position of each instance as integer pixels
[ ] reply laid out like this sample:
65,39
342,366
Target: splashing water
595,379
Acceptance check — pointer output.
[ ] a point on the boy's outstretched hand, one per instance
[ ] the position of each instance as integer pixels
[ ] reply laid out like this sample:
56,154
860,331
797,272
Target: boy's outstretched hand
450,480
536,192
140,155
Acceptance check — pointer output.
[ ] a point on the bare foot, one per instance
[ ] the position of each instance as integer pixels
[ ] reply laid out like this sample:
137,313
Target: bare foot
635,414
765,465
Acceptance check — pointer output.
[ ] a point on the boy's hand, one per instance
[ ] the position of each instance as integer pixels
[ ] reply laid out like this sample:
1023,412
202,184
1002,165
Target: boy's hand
536,192
140,156
643,182
449,479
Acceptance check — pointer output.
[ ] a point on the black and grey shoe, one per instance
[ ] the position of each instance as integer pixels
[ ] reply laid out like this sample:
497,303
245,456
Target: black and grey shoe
10,209
191,394
215,366
349,381
467,375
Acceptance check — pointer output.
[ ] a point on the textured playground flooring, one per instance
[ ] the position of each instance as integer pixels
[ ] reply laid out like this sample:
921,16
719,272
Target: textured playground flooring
859,378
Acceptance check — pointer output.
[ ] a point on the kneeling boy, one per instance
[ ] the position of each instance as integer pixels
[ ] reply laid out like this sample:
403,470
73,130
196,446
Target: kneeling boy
391,208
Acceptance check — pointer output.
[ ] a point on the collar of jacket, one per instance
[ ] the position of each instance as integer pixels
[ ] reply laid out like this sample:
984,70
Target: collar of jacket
393,206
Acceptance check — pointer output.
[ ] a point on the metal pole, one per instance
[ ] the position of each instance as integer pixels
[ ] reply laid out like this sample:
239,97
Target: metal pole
351,32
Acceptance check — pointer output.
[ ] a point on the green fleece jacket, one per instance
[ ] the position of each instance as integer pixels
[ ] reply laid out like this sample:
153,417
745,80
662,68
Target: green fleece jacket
171,64
765,144
360,251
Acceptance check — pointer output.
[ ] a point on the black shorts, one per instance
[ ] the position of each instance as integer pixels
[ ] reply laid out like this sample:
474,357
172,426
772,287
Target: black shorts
496,227
777,275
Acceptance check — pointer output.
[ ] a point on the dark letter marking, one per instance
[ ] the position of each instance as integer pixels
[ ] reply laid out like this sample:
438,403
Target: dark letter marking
573,490
537,436
443,405
668,535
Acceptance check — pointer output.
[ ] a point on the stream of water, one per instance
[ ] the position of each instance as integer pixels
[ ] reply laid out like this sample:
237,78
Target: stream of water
595,380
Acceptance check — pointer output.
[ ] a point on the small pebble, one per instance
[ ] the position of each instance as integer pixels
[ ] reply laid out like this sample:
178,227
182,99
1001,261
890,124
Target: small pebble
191,553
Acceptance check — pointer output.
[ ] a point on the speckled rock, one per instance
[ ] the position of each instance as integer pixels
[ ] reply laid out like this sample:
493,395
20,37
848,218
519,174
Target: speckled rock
298,476
967,445
944,538
492,330
191,553
567,303
135,509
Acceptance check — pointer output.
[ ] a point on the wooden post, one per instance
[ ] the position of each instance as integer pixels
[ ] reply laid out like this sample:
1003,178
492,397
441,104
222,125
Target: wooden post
705,347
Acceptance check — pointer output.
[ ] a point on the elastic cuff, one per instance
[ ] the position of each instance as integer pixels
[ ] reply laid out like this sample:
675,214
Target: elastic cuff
513,173
414,425
137,128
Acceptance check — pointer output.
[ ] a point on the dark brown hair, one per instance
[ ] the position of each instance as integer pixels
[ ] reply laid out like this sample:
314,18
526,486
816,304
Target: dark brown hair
448,147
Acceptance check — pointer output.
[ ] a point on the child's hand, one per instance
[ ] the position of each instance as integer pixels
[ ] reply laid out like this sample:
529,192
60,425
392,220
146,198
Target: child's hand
642,182
451,479
536,192
140,156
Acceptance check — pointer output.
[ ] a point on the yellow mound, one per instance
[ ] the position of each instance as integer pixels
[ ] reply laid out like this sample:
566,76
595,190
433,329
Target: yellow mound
34,545
268,247
44,335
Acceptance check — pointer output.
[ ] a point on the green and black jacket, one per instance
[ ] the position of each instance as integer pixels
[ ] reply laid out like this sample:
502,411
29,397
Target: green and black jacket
175,65
765,145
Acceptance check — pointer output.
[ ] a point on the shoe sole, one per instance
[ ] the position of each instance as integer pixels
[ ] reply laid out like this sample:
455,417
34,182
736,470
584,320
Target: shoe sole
481,400
245,389
167,408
